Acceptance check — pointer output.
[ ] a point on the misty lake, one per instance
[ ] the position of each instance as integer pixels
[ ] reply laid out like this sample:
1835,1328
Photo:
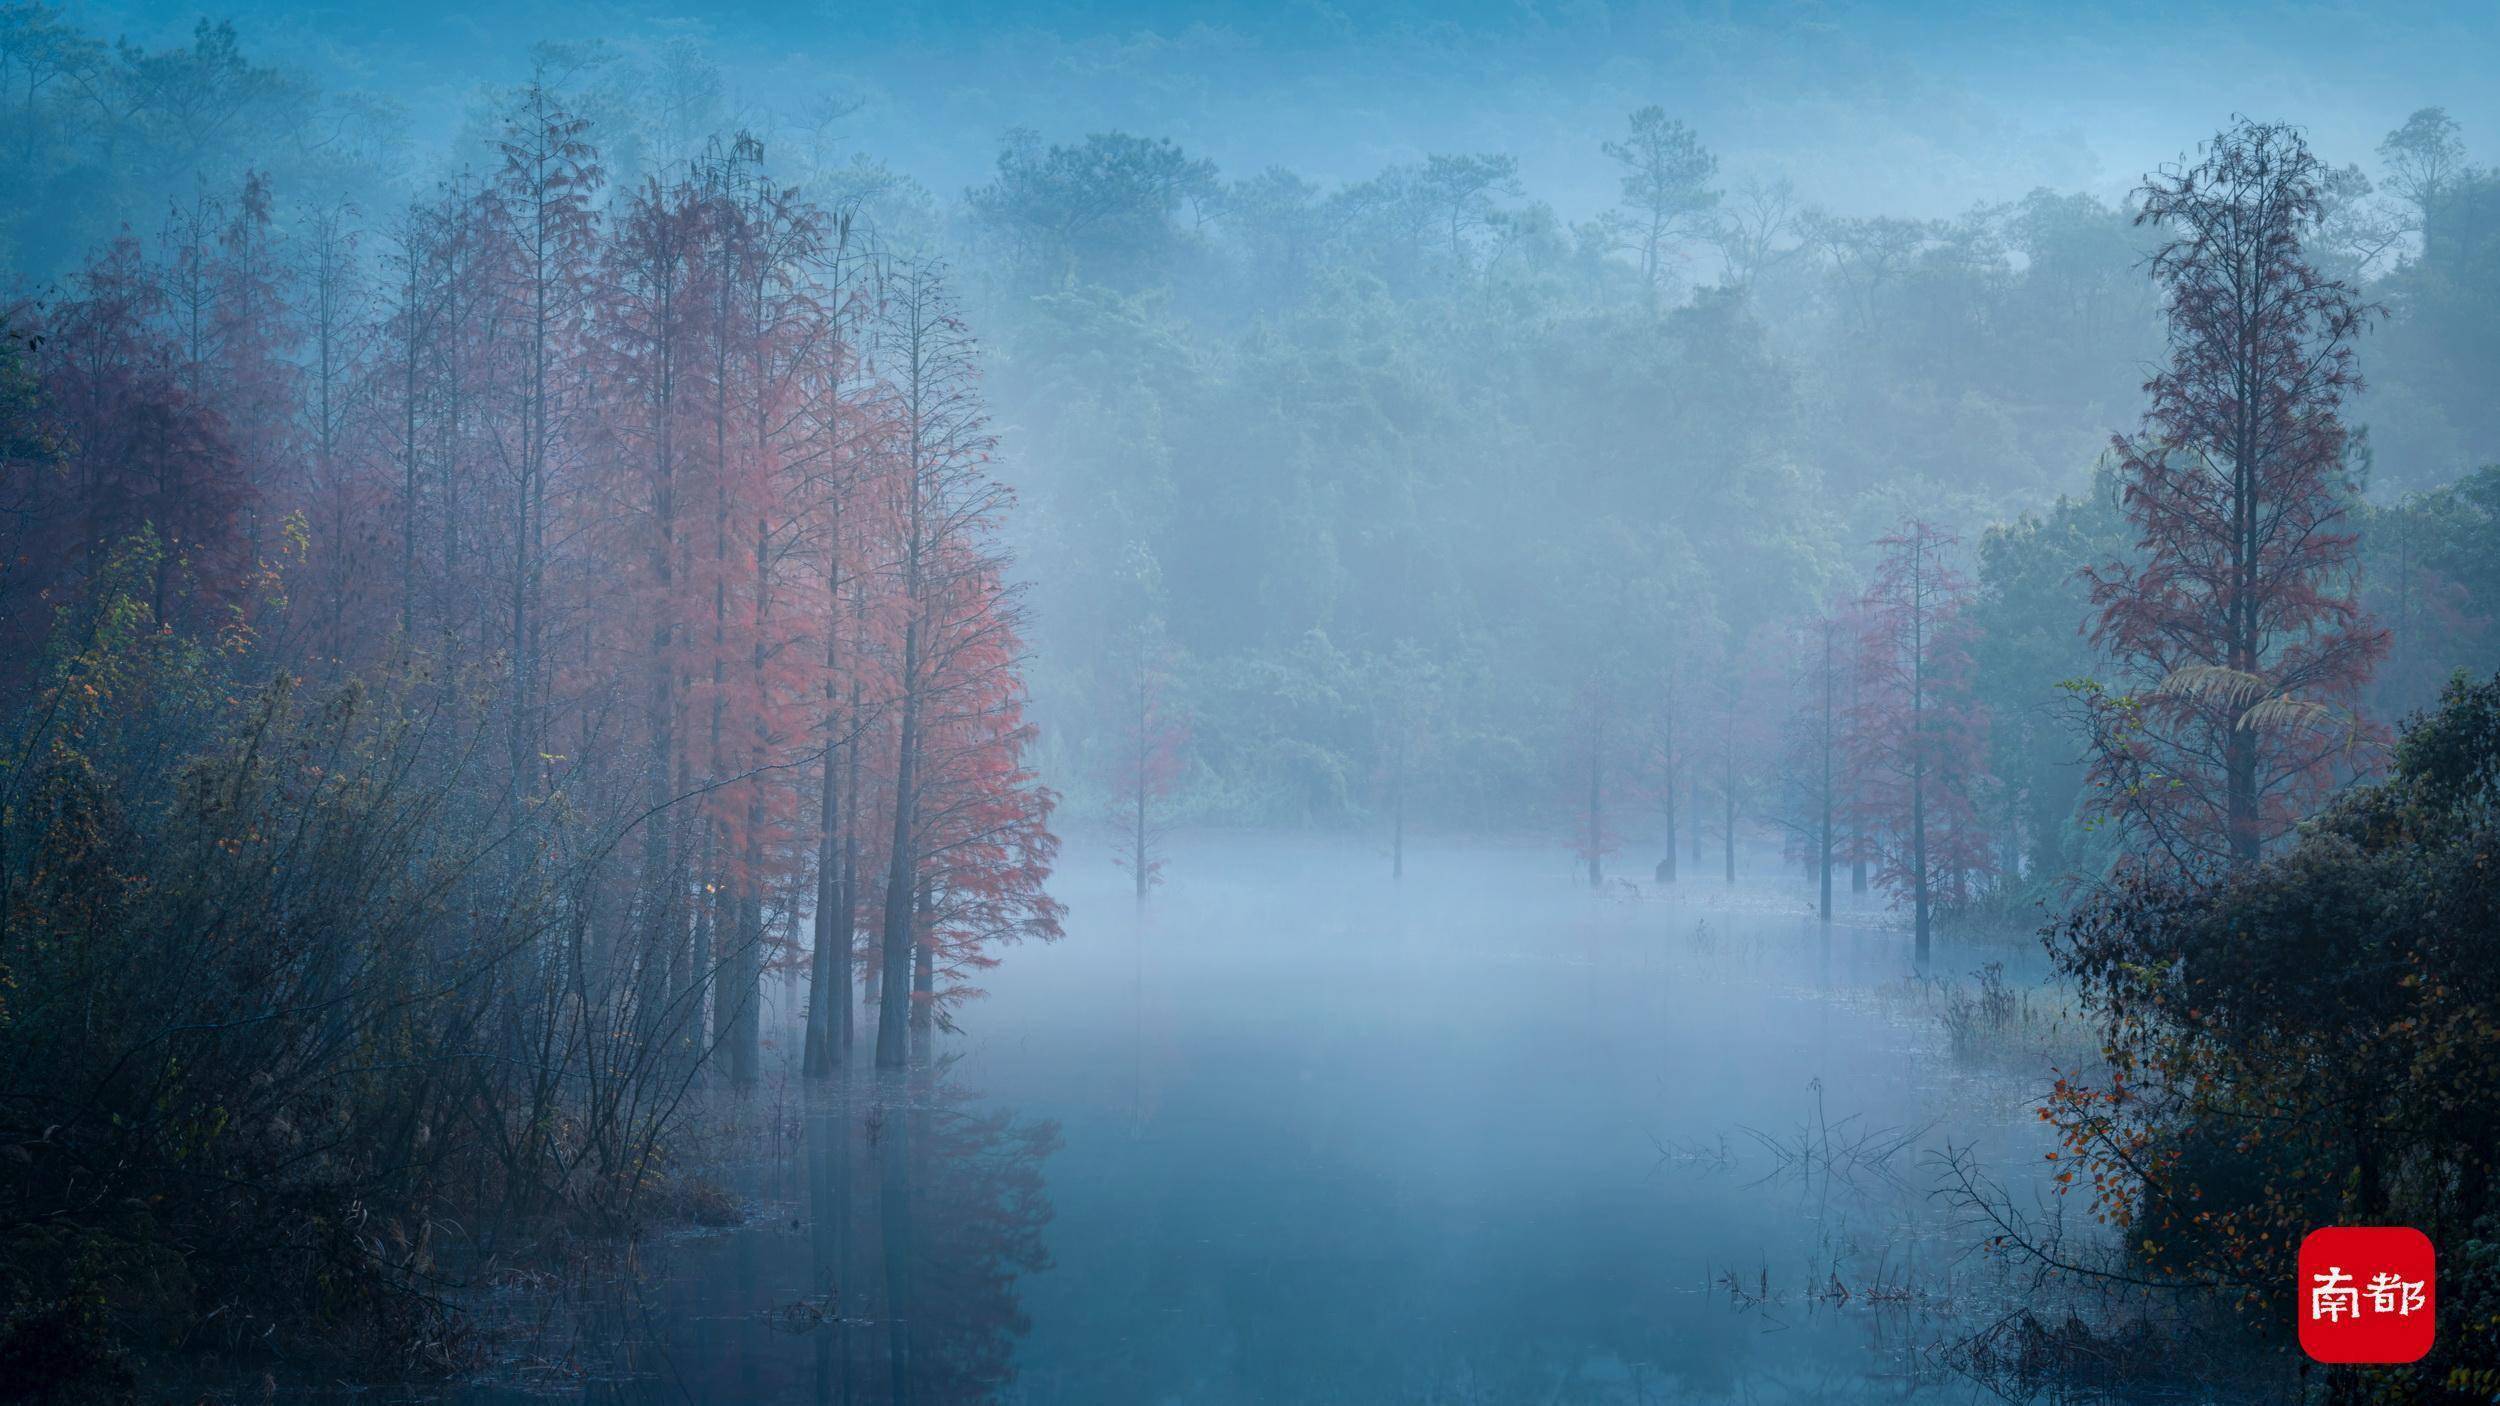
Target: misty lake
1299,1133
576,578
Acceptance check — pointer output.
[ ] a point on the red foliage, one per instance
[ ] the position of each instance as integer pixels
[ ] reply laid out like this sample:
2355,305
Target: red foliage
1917,737
2239,630
621,477
141,449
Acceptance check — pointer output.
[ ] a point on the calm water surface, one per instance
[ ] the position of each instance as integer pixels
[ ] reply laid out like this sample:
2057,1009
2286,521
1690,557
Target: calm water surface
1297,1133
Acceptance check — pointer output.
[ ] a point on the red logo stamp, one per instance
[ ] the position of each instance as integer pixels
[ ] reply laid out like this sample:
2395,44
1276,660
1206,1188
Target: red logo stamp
2367,1293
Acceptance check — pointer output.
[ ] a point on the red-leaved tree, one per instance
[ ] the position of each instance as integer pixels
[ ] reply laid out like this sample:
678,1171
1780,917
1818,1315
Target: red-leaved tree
1917,737
2238,630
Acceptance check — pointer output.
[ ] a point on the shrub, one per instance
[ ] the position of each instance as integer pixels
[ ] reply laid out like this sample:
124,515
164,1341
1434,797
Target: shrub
2312,1040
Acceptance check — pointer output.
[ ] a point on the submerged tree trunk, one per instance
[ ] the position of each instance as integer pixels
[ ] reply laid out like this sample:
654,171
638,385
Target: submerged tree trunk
1823,865
829,964
746,1053
744,994
894,956
893,1134
1918,771
1141,866
846,924
1727,793
1823,827
829,1235
1693,839
1727,828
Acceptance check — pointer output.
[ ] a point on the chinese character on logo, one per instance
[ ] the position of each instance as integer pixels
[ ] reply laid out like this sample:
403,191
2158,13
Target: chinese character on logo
2334,1299
2367,1294
2389,1294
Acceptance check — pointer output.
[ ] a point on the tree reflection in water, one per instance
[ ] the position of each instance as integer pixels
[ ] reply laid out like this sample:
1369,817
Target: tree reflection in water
882,1265
927,1208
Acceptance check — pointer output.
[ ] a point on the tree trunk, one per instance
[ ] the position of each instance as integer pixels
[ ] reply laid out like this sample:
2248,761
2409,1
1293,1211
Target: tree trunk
901,879
2240,746
408,449
1727,790
744,994
846,925
1397,810
2240,760
1918,865
1665,873
1138,861
1922,887
1597,813
1823,865
664,952
923,980
1727,828
829,966
1823,830
828,989
746,1057
1693,837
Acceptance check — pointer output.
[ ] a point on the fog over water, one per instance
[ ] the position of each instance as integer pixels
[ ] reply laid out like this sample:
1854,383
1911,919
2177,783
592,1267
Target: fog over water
1315,1136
